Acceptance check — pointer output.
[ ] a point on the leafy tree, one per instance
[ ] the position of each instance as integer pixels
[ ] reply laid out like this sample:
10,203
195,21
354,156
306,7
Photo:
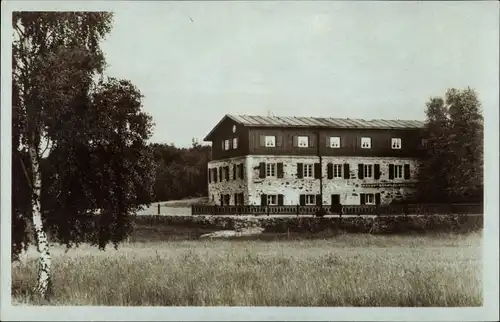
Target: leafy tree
180,172
79,147
453,162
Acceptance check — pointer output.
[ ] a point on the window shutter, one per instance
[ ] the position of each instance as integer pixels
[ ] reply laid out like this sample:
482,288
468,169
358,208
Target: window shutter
329,170
311,141
300,170
242,174
295,141
227,173
360,171
234,171
376,170
302,200
327,140
262,140
222,199
362,198
317,170
262,170
263,200
377,198
346,171
391,171
407,171
209,175
279,169
280,200
319,202
235,199
279,141
215,174
220,174
242,198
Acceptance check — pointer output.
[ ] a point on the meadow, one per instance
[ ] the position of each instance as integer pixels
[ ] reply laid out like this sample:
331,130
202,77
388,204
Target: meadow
340,270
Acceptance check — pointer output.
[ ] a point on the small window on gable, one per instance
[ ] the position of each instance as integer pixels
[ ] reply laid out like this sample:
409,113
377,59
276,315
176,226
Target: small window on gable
424,143
226,145
396,143
270,141
235,143
366,143
303,141
335,142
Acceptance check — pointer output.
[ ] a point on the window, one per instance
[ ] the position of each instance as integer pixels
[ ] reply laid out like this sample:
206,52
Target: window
303,141
308,170
272,200
366,143
238,198
335,142
369,199
398,171
226,144
424,143
337,170
270,141
310,200
227,199
396,143
270,169
368,170
235,143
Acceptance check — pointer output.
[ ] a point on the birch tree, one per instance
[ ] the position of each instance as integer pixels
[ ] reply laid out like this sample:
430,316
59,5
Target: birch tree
90,135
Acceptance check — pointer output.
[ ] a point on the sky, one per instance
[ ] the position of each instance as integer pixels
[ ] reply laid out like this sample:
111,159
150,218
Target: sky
194,62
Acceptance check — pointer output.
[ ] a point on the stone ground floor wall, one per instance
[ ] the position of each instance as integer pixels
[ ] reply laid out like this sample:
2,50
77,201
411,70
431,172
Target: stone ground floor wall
349,189
291,187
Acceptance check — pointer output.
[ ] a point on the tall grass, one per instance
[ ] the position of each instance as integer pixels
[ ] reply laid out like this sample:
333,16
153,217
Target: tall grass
347,270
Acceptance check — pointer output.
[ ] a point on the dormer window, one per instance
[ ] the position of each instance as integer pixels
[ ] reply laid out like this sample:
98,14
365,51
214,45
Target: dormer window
366,143
396,143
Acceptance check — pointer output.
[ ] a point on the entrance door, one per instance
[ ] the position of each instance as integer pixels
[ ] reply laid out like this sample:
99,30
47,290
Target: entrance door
335,203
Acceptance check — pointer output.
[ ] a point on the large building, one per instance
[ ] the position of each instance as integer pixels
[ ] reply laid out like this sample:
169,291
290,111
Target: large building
263,160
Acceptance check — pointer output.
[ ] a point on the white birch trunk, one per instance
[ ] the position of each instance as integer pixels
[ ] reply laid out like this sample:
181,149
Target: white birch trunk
44,261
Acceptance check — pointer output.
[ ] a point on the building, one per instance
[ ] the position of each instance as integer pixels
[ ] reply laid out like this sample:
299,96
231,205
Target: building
259,160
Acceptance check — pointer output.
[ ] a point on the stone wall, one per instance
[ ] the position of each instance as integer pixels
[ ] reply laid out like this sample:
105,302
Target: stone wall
348,189
215,189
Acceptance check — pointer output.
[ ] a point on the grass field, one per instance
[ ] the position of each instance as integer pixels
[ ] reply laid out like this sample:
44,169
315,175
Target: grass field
344,270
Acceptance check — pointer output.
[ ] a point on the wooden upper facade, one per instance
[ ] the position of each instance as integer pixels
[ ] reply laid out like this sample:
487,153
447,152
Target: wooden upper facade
237,136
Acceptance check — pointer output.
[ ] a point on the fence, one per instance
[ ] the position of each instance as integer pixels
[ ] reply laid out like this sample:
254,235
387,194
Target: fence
390,209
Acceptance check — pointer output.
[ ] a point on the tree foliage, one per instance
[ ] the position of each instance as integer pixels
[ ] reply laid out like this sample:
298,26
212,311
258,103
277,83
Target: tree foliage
180,172
90,136
452,167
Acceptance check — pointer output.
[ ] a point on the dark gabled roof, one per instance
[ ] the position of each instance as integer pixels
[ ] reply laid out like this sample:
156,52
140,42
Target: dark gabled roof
321,122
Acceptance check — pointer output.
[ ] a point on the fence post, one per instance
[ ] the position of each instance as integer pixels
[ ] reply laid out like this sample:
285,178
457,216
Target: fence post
267,209
159,209
341,210
298,210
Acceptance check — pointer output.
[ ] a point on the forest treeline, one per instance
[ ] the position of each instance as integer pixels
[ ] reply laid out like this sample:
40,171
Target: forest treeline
180,172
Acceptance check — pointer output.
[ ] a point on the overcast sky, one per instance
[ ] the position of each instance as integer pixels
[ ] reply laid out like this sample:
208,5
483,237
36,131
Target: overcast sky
195,62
